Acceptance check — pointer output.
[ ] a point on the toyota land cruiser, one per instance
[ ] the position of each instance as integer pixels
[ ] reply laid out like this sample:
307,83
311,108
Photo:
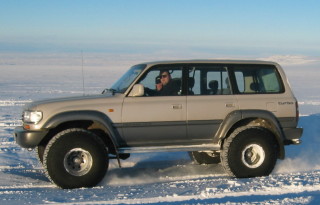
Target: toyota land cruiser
241,113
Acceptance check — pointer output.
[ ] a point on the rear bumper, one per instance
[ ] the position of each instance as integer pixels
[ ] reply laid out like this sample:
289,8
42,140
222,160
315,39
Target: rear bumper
292,135
28,138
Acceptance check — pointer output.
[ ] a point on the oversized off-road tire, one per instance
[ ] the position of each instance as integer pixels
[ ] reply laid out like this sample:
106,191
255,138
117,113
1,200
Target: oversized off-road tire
249,152
205,157
75,158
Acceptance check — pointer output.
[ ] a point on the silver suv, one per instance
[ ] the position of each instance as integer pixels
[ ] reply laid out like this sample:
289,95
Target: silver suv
241,113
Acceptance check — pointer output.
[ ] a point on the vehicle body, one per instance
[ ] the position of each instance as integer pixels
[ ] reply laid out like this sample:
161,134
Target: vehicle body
234,110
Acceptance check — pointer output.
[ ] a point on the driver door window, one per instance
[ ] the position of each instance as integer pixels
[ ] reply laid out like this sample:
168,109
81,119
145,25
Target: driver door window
164,81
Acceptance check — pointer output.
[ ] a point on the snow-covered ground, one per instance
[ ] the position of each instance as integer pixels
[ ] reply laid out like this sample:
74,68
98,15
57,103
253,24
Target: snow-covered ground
159,178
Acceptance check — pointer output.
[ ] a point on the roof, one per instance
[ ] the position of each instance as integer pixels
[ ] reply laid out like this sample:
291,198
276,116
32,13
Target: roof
222,61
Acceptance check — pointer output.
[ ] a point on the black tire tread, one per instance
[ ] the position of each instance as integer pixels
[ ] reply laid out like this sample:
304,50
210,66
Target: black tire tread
39,153
227,143
56,138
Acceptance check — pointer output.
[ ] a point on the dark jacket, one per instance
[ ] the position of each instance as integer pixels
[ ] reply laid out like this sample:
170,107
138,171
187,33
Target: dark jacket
171,89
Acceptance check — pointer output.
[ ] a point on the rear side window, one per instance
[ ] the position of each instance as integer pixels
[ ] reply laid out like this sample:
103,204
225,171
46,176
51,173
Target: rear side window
262,79
208,79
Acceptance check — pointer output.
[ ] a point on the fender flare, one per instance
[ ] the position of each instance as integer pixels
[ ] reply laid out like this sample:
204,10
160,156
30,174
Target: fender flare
89,115
240,115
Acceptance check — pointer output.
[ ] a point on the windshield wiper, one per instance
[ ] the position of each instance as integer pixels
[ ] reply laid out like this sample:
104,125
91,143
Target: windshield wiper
109,90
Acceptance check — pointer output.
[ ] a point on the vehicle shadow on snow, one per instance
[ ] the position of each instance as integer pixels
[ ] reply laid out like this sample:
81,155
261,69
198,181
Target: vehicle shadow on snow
22,164
158,167
35,174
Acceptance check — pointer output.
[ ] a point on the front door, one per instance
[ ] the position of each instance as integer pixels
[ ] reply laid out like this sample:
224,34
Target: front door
159,117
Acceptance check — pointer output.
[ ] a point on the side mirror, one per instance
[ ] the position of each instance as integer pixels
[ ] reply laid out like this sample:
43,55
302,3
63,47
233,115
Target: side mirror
137,91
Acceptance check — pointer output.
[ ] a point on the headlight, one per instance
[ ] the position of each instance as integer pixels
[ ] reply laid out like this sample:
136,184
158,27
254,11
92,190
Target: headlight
32,116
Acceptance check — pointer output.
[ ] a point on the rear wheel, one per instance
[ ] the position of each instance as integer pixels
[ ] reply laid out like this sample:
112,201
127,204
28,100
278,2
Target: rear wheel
207,157
249,152
75,158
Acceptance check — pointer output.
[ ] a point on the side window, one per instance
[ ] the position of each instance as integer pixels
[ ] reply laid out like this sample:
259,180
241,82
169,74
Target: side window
162,81
261,79
240,81
270,81
149,81
218,82
208,80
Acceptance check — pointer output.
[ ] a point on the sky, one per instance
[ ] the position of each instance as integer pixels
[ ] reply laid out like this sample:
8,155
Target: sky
233,27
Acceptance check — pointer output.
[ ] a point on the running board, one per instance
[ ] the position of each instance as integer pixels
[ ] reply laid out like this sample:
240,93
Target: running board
177,148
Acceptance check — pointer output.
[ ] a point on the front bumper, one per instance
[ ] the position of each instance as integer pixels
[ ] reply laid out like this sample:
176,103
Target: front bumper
28,138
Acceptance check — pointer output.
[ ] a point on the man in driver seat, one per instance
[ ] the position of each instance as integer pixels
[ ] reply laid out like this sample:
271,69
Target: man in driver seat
166,86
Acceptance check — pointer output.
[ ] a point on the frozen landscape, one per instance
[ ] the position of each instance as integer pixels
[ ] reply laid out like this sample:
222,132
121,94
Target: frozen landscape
159,178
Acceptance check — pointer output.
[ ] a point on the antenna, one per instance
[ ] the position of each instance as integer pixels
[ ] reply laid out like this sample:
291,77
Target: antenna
82,73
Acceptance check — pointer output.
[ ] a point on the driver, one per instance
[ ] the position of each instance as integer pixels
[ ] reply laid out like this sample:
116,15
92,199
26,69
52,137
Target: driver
166,86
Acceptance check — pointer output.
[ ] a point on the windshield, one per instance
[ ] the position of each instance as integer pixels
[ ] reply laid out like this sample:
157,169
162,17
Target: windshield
125,81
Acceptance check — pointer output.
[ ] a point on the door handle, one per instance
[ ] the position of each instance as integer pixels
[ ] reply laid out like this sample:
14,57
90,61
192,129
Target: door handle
176,106
230,105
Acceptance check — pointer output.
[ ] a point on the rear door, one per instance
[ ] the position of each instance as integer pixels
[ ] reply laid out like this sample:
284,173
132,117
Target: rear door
209,101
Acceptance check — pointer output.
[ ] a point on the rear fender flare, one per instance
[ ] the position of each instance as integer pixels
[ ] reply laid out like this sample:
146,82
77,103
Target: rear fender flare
241,115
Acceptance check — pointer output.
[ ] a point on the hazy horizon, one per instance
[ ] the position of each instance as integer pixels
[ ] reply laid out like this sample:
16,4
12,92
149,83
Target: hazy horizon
182,27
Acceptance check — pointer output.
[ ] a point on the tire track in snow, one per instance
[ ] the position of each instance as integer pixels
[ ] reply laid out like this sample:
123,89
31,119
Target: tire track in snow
295,188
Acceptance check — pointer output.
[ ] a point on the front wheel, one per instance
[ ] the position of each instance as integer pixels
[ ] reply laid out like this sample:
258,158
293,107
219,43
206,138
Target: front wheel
75,158
249,152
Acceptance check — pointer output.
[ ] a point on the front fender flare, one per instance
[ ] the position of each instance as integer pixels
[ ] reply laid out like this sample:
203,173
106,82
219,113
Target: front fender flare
89,115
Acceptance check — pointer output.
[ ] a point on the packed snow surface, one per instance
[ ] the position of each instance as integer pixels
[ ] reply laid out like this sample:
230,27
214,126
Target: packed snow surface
157,178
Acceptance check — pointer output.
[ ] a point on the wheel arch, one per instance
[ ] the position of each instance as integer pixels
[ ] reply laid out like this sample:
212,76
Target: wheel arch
261,118
94,121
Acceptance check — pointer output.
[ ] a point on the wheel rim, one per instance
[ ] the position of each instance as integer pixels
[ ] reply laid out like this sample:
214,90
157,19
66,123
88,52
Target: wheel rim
253,156
78,162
